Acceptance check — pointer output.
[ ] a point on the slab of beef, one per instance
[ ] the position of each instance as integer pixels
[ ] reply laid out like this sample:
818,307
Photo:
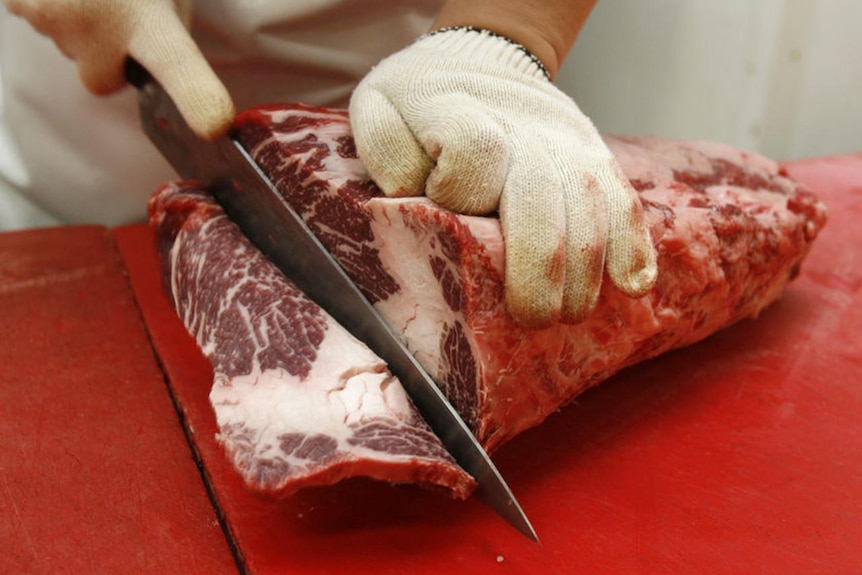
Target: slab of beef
730,227
298,400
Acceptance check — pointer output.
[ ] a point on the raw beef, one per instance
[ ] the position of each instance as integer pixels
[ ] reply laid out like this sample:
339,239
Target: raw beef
730,227
298,400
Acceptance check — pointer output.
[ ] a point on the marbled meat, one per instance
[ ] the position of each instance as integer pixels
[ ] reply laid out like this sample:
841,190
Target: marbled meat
730,227
298,400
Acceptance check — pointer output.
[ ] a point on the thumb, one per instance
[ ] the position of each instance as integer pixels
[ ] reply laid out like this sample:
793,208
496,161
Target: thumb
386,145
170,54
472,155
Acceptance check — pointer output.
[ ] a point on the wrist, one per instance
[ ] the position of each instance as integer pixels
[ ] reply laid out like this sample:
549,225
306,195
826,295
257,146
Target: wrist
466,39
546,29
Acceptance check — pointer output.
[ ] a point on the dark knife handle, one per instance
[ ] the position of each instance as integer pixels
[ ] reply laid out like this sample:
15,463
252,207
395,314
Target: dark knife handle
135,73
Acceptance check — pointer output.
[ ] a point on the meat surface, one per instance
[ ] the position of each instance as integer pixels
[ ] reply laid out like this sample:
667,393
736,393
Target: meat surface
731,229
298,400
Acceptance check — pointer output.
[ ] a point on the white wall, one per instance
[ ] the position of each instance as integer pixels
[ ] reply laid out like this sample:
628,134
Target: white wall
782,77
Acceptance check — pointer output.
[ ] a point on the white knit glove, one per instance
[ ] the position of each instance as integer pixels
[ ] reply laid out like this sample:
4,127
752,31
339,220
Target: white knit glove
470,119
100,34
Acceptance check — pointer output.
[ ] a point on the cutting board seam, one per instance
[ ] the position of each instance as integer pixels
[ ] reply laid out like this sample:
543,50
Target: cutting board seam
187,433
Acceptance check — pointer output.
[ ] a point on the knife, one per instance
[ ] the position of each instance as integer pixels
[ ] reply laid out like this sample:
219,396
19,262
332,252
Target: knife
253,202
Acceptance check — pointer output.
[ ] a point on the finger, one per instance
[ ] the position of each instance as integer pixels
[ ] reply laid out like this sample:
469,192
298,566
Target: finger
18,7
471,153
386,145
532,214
168,52
102,73
586,233
73,30
586,225
40,15
631,262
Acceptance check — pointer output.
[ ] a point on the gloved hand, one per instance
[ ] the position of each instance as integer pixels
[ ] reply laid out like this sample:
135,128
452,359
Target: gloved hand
470,119
100,34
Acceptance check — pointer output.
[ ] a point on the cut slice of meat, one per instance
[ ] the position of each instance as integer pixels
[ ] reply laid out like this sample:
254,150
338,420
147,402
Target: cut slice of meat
298,400
730,227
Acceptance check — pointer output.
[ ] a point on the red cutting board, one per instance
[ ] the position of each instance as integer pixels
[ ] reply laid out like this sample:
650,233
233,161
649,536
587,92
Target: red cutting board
96,475
742,454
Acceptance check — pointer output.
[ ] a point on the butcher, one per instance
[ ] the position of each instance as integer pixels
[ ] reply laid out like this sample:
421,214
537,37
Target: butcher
451,99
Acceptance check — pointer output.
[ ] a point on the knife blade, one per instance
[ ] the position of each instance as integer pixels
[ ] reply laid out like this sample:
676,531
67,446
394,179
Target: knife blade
253,202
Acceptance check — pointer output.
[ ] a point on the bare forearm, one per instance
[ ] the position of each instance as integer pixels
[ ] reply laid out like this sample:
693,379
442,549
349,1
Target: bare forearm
547,28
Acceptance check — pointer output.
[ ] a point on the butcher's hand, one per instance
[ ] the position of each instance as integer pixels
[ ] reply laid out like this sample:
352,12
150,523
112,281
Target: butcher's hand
471,120
100,34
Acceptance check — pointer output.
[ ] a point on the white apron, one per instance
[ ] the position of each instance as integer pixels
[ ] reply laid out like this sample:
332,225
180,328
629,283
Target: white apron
67,156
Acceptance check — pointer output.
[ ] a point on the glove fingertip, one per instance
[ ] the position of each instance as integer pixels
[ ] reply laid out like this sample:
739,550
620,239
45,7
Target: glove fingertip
209,113
203,101
637,273
632,258
386,145
169,53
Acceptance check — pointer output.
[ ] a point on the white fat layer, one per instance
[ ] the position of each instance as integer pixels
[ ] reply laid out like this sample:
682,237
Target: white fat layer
347,386
398,247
